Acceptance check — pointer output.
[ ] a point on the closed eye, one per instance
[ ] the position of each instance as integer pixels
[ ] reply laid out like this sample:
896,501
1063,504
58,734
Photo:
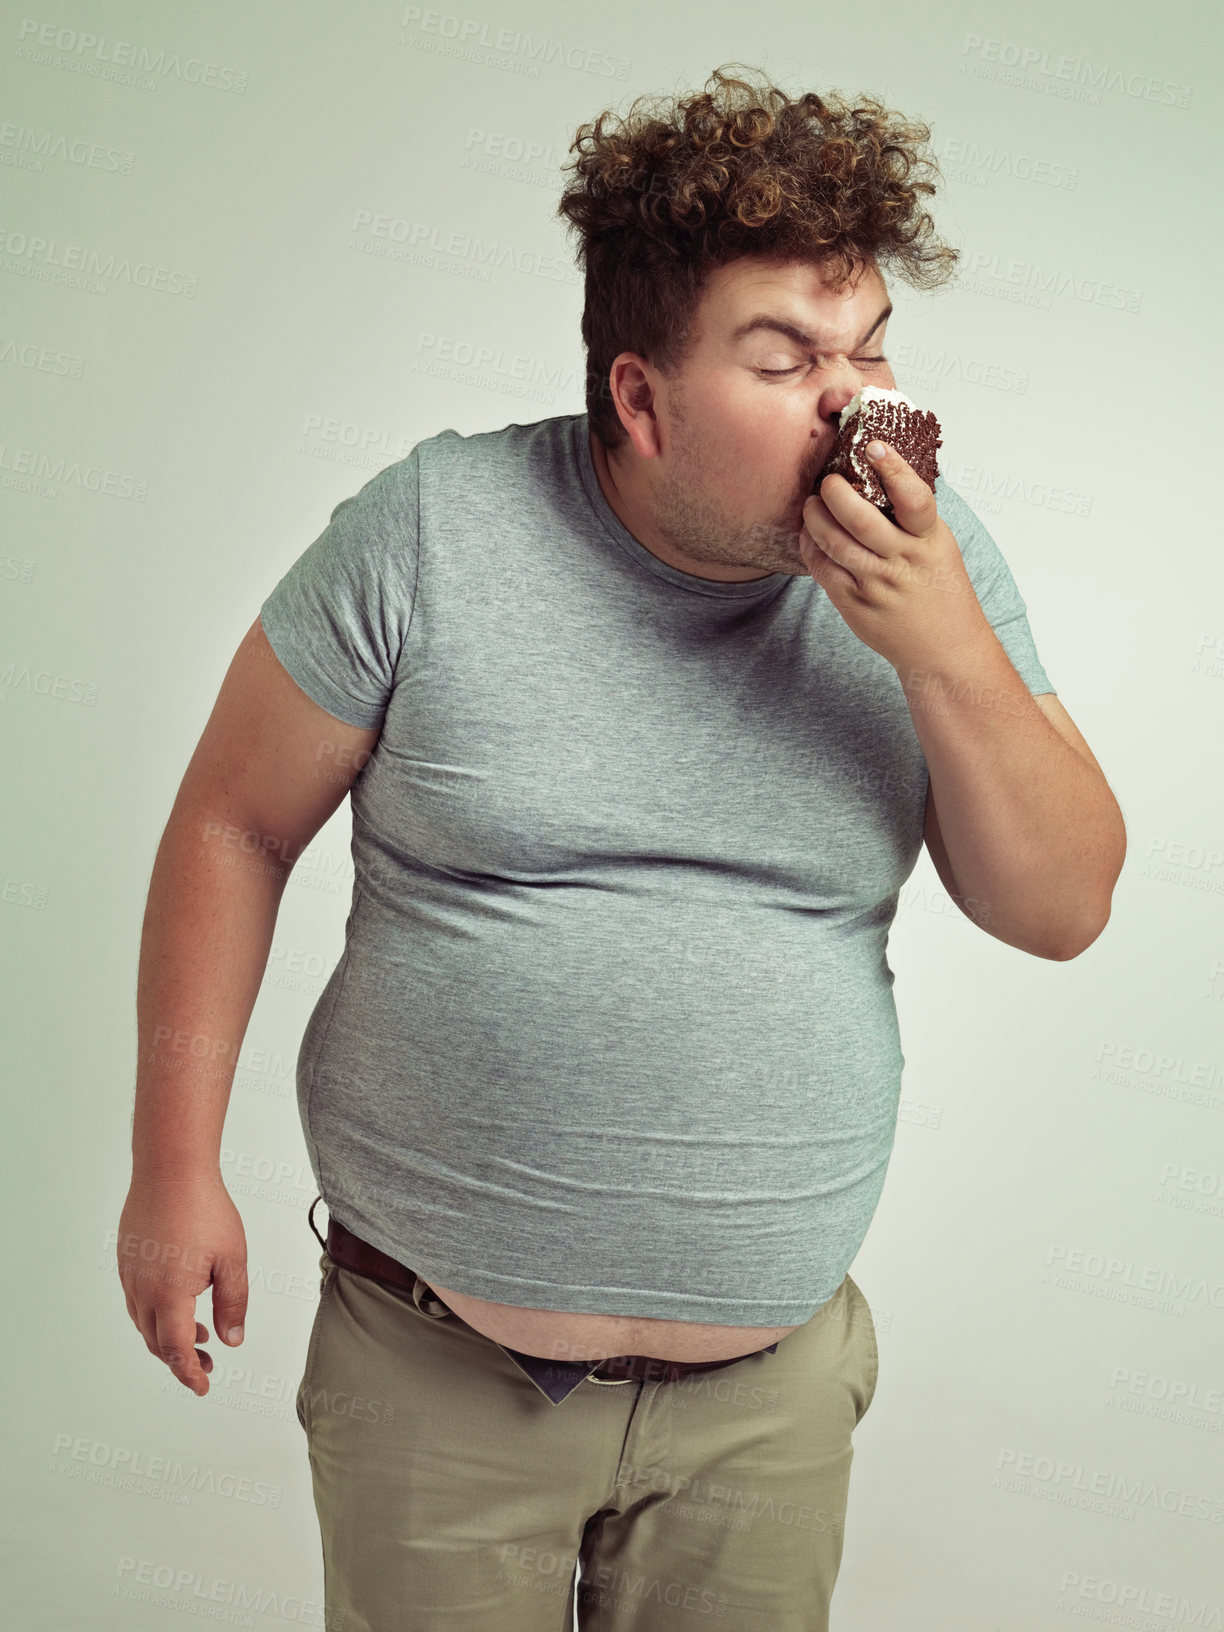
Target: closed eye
776,373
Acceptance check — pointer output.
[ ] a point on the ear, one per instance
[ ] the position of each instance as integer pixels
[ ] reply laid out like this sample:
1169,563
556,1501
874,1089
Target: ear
632,385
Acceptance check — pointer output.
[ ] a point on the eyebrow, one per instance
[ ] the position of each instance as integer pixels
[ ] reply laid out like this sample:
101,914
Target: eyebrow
765,320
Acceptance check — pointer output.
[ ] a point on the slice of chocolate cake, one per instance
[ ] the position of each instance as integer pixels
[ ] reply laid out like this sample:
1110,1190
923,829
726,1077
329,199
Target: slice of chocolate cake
892,417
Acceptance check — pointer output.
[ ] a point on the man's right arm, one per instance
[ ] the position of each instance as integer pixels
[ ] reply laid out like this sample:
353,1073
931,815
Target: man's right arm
270,768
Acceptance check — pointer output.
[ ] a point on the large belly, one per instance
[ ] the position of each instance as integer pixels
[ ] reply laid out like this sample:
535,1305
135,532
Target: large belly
559,1335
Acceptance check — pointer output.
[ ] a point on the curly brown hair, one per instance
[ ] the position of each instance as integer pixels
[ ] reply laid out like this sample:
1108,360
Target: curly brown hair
661,197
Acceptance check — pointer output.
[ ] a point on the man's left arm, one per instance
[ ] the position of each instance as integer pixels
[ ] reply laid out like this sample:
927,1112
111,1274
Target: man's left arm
1020,822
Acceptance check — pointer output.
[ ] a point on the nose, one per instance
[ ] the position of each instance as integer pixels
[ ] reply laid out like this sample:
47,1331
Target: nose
844,382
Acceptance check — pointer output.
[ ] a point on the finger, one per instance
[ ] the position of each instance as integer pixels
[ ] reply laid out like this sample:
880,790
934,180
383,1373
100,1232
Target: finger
831,577
835,541
865,521
175,1330
229,1298
143,1310
822,523
147,1323
912,500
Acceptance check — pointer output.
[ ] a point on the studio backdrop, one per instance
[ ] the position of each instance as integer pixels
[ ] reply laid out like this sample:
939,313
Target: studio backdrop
250,255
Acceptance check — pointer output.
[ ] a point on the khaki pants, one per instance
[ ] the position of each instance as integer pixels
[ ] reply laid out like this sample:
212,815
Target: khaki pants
454,1497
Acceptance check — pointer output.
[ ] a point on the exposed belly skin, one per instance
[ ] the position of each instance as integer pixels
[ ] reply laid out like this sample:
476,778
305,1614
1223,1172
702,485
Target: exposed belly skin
559,1335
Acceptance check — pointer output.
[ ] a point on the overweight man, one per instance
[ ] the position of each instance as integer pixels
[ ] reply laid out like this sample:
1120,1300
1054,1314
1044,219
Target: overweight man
643,726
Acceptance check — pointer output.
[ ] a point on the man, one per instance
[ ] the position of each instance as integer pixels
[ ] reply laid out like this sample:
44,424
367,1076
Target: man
642,738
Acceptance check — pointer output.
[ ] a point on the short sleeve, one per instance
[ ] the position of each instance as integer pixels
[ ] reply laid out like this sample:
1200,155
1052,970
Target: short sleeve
994,586
339,617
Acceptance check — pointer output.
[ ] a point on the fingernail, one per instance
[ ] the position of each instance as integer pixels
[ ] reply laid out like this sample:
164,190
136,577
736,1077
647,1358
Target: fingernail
876,450
234,1335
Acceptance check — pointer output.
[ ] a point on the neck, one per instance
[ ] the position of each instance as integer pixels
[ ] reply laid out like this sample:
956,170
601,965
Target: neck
647,535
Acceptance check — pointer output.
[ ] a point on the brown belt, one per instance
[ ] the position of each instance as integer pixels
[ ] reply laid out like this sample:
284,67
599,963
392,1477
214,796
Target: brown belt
351,1252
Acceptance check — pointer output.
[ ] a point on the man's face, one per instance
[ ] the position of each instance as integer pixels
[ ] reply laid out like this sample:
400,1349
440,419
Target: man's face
751,417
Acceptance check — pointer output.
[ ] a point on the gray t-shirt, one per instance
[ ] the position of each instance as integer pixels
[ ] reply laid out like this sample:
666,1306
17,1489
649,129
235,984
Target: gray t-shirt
613,1030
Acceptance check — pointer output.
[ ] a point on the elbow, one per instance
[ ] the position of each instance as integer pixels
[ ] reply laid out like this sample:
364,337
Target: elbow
1092,924
1071,947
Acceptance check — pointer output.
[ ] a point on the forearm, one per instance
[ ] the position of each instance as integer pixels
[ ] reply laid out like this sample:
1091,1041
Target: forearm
207,932
1030,826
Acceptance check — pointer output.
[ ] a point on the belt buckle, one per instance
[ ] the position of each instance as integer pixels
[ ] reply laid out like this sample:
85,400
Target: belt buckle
638,1363
613,1381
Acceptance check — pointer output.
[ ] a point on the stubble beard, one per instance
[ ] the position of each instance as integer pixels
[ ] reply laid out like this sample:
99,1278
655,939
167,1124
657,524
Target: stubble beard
693,522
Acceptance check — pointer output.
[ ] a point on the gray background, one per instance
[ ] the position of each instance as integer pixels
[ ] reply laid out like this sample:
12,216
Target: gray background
318,185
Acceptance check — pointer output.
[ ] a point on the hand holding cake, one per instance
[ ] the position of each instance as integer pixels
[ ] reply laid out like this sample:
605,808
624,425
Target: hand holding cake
886,416
874,541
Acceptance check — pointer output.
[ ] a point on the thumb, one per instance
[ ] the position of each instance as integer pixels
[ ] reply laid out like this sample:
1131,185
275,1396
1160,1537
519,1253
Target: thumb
229,1298
912,500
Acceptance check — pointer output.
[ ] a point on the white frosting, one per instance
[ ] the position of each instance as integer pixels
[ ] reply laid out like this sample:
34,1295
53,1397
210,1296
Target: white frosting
872,393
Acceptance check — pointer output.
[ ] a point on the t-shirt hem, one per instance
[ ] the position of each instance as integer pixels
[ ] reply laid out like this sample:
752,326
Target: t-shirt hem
570,1297
313,682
